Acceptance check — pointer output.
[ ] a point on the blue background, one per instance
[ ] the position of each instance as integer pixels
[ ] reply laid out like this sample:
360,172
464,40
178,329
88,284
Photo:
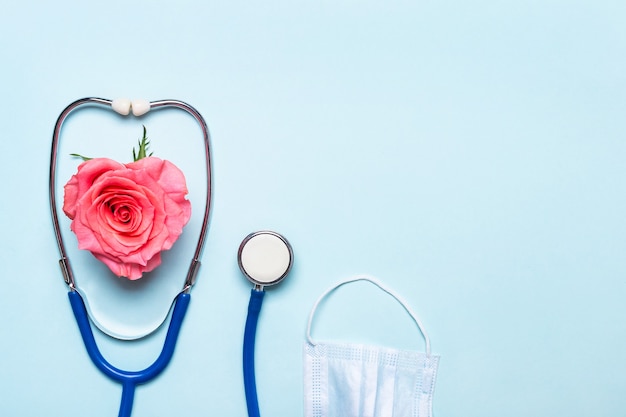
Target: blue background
471,154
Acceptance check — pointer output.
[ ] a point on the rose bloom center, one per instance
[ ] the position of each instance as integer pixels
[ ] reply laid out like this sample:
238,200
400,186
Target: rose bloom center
125,216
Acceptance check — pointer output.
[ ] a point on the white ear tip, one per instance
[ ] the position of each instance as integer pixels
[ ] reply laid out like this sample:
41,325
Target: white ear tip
140,107
121,106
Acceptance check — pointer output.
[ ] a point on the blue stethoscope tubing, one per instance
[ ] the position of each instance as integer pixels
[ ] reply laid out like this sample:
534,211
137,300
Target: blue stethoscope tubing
129,379
249,339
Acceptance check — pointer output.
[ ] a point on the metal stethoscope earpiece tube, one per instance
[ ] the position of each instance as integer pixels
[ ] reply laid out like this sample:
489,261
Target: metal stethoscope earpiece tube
265,258
129,379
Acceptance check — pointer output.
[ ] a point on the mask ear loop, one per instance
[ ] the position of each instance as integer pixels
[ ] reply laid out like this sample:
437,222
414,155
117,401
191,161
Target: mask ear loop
380,285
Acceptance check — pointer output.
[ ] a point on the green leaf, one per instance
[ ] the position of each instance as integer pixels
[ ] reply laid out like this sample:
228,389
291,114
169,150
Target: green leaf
144,143
84,158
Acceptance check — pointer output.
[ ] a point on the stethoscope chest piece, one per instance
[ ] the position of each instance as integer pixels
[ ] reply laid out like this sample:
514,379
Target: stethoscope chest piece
265,258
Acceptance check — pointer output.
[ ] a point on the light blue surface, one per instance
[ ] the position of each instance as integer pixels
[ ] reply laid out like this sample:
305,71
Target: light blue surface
469,154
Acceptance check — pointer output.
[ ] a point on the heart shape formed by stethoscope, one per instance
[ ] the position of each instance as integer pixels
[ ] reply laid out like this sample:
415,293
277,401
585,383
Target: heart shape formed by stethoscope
119,307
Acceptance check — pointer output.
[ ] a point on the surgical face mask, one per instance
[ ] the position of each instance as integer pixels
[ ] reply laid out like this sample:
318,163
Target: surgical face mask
351,380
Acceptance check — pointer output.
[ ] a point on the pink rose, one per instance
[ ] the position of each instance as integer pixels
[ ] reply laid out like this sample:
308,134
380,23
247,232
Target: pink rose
126,214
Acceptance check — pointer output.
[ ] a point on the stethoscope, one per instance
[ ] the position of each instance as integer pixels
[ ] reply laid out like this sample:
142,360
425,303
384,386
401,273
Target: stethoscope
265,258
129,379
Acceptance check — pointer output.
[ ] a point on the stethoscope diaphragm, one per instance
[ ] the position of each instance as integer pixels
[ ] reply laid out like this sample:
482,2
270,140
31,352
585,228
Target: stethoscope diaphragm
265,258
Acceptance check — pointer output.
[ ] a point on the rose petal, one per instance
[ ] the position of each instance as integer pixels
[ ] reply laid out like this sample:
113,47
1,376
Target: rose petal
88,172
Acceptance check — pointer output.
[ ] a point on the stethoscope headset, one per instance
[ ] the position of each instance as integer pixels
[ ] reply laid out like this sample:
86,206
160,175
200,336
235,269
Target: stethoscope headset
129,379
